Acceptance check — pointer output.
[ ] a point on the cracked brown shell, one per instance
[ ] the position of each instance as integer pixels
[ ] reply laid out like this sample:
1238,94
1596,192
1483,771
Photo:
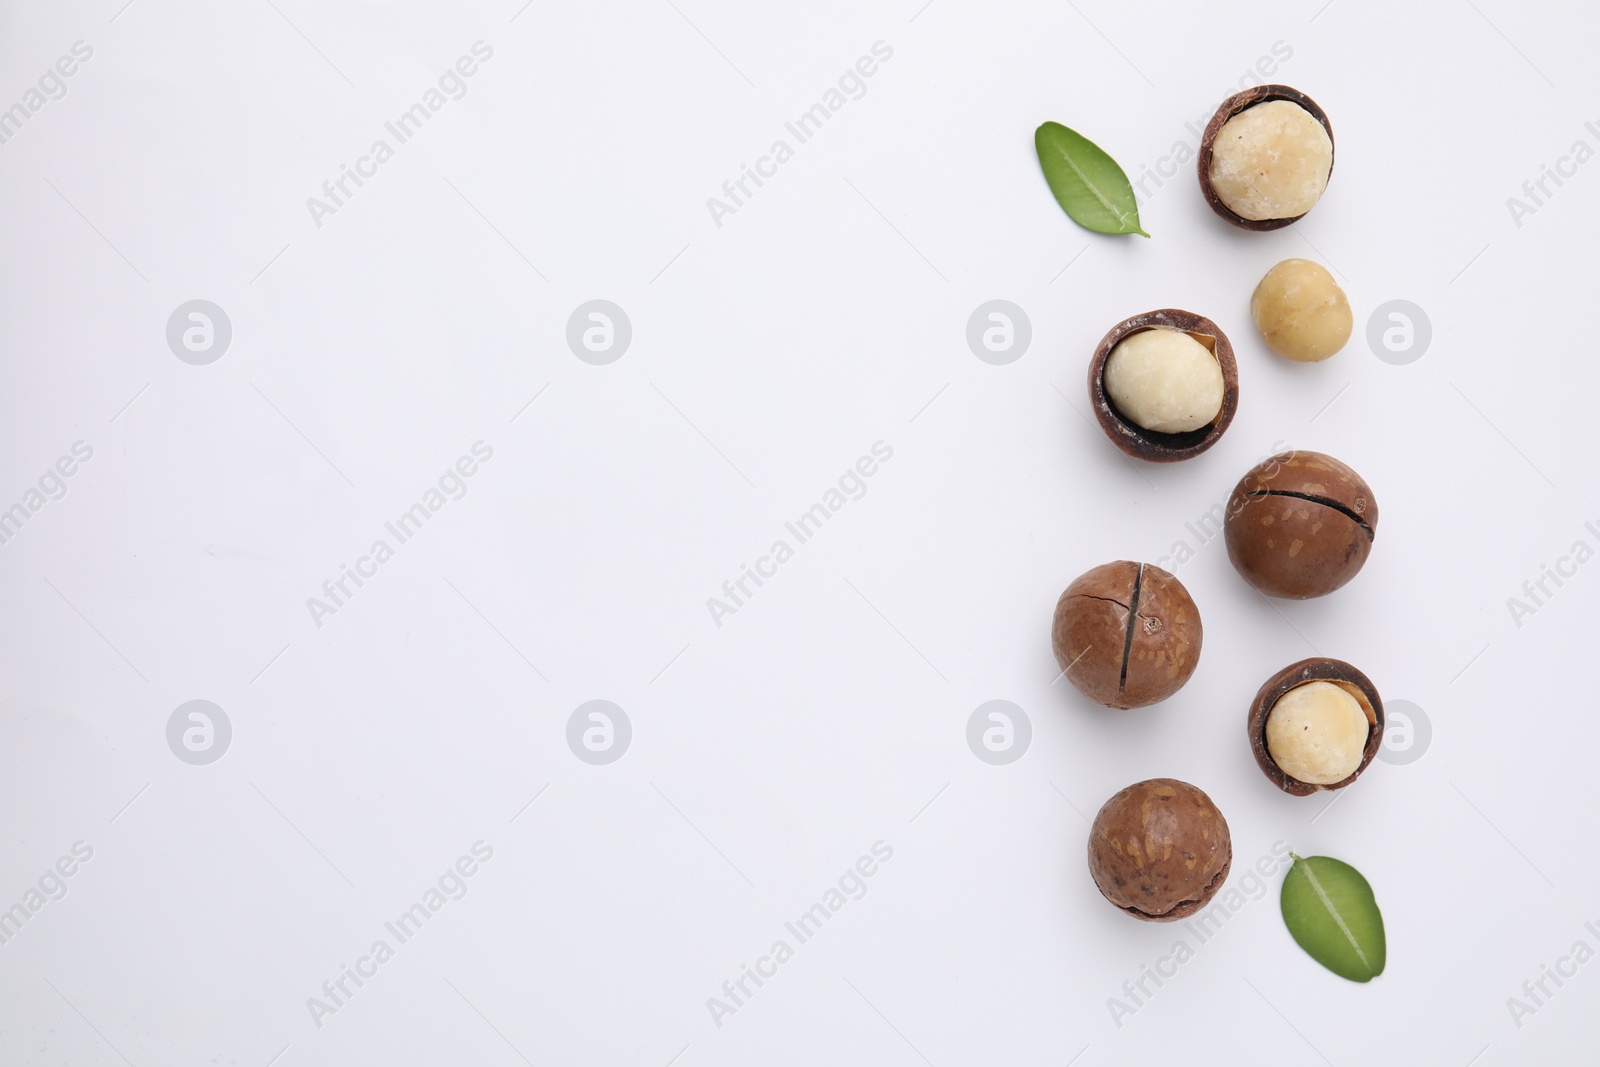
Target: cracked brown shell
1151,445
1318,669
1230,107
1160,850
1300,525
1126,634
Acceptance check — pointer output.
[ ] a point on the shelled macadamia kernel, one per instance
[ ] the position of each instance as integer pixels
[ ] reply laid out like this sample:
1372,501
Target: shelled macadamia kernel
1165,380
1301,312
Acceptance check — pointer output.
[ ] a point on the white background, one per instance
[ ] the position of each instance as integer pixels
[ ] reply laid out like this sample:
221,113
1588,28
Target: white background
768,354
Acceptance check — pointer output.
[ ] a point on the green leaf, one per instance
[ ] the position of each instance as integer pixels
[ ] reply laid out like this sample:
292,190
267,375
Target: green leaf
1331,913
1087,183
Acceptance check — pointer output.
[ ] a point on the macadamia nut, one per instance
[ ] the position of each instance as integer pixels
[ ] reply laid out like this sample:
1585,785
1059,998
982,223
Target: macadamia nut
1126,634
1300,525
1301,312
1164,380
1271,161
1317,733
1160,850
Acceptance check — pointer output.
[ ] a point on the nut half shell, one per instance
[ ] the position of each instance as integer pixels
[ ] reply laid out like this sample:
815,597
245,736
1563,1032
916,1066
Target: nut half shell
1151,445
1318,669
1230,107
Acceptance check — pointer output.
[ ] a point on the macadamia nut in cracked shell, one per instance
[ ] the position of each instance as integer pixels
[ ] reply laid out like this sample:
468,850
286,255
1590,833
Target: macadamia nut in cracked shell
1271,161
1164,380
1317,733
1315,725
1126,634
1300,525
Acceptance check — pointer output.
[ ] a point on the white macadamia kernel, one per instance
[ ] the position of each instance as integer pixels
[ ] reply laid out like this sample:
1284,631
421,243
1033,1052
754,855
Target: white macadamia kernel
1271,161
1317,733
1164,380
1301,312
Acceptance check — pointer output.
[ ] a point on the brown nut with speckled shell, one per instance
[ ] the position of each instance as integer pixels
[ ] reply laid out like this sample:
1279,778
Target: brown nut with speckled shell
1160,850
1150,445
1313,730
1300,525
1126,634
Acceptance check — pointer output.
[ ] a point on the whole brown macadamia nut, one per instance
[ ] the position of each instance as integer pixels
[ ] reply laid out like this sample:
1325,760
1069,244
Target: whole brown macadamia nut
1126,634
1160,850
1300,525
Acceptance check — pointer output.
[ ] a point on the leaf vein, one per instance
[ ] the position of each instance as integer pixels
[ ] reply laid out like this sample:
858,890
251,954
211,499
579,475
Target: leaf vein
1088,184
1338,919
1120,215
